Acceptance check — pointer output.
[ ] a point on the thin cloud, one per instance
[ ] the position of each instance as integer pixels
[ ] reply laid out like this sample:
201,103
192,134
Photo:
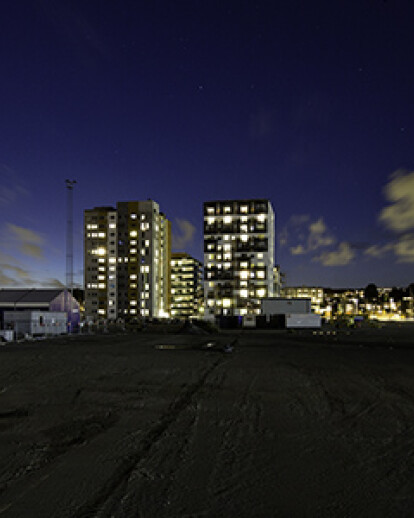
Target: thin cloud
29,242
340,257
21,273
297,250
11,276
404,249
399,216
52,283
31,250
16,276
11,188
379,251
7,282
291,229
319,235
312,235
185,235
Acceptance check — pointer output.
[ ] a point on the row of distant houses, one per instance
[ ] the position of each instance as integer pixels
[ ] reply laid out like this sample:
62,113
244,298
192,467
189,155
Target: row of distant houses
37,312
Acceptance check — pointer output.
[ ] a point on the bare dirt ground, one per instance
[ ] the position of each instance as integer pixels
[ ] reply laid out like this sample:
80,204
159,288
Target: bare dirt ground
289,424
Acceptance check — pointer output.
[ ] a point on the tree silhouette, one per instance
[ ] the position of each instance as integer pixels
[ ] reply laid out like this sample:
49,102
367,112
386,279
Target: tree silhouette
371,292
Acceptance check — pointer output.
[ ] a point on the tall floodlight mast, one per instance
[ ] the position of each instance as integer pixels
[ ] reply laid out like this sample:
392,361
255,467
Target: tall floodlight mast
69,245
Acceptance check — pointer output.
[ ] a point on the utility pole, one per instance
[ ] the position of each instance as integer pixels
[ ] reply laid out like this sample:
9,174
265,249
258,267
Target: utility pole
69,246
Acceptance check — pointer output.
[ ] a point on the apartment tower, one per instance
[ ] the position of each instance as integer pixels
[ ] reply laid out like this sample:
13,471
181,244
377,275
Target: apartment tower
127,261
186,286
238,256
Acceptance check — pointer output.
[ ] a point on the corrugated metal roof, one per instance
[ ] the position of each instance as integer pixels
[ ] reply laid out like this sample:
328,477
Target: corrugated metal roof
28,296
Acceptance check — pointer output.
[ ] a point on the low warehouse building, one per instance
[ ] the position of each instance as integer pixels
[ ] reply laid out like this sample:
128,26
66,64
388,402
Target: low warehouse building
37,299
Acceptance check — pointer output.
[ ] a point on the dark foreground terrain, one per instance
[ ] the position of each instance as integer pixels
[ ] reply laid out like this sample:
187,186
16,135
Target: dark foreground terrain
287,425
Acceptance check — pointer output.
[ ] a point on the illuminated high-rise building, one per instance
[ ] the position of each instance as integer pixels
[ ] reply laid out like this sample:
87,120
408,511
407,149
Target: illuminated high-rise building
238,256
186,286
127,261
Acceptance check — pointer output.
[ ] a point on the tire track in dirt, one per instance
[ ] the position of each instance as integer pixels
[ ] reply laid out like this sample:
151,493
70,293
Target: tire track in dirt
358,425
55,442
113,492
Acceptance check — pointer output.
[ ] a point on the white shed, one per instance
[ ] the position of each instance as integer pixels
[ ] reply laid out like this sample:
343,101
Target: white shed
36,322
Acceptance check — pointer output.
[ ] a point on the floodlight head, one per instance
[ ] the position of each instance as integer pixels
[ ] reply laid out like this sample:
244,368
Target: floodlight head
70,183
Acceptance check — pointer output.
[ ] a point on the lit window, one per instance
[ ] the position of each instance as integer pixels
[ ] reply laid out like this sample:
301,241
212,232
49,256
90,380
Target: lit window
226,303
133,216
244,209
244,293
244,275
112,225
210,220
133,233
227,219
261,218
260,275
244,238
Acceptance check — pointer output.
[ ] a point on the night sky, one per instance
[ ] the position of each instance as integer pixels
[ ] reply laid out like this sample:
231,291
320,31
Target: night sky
309,104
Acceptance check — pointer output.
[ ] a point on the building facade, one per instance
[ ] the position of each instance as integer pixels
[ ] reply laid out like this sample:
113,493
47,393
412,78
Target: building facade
315,293
238,256
127,261
186,286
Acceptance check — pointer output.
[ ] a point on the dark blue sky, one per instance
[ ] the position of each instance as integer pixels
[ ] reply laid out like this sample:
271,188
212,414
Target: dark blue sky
307,104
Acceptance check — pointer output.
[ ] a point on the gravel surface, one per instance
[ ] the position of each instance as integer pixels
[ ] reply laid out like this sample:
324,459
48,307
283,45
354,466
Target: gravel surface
147,425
